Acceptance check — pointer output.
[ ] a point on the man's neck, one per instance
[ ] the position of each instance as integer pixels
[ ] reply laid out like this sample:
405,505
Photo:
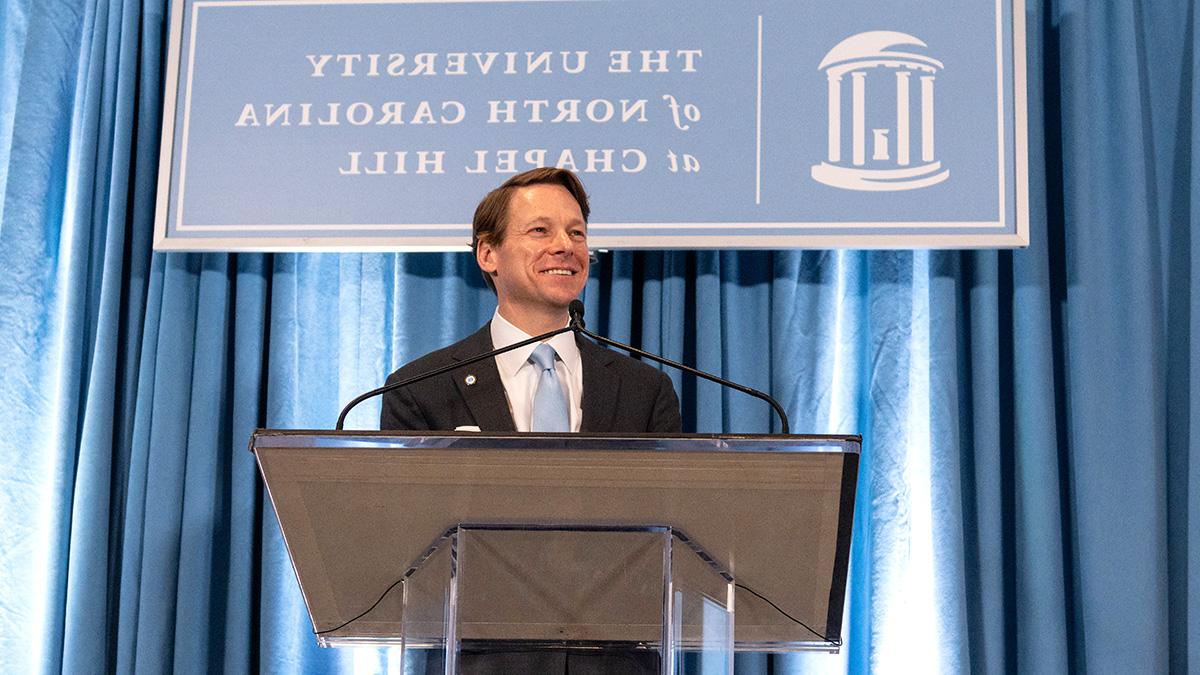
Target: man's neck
534,323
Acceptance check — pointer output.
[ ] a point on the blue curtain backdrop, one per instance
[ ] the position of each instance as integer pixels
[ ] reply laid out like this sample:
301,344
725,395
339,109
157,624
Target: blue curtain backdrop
1030,490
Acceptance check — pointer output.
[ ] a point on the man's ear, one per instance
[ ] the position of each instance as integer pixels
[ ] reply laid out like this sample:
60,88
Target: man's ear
485,257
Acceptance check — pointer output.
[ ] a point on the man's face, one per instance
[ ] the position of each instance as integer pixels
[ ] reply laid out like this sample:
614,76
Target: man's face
542,263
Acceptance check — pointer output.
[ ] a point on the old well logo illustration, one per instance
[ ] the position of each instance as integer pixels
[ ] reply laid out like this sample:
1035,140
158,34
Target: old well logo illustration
888,69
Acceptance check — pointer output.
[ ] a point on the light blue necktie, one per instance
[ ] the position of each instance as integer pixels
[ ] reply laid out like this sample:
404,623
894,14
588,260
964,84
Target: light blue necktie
549,402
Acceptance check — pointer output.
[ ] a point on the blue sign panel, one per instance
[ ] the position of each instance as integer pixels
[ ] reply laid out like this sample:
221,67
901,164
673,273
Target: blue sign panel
378,124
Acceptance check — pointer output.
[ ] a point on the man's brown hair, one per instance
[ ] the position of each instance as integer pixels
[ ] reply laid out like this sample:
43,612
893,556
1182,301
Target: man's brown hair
491,215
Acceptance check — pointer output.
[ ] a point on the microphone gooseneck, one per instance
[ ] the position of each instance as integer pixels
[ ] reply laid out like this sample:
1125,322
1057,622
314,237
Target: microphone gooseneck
575,310
576,325
341,421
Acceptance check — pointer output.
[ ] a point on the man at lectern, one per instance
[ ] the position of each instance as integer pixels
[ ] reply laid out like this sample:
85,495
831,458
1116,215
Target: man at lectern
530,240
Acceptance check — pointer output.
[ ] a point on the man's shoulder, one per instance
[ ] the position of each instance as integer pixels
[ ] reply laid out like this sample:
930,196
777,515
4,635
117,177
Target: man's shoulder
477,343
626,394
624,364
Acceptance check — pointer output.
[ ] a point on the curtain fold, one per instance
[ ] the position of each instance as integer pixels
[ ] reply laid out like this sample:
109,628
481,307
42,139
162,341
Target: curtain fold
1185,369
1031,465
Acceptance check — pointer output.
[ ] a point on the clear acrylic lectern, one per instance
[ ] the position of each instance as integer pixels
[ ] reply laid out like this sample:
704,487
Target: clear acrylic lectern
455,544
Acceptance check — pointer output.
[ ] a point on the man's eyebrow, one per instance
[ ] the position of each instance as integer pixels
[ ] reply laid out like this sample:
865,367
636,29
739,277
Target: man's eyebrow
535,221
550,221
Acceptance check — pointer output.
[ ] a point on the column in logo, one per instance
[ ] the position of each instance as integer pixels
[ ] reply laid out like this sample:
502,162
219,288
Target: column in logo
872,61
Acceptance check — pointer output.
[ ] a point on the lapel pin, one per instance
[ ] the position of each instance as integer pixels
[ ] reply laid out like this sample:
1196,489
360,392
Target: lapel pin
470,380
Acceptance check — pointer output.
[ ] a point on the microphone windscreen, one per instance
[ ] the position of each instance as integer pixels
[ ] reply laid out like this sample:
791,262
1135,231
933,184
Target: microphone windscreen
575,311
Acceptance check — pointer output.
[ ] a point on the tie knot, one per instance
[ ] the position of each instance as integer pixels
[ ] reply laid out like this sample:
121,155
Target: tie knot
543,356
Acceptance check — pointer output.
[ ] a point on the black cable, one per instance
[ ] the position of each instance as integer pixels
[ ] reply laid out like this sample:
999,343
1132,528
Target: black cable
365,612
835,642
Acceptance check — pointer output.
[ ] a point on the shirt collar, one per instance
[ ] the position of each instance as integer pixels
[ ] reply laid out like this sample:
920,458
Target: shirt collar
505,334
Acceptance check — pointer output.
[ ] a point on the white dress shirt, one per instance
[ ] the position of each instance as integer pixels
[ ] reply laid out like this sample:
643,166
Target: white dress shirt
520,377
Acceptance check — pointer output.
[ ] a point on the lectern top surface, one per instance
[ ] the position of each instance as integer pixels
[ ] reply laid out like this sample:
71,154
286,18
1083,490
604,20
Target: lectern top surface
267,438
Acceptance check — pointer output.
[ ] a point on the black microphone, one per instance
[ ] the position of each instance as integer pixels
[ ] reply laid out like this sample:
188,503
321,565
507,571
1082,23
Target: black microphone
447,368
575,310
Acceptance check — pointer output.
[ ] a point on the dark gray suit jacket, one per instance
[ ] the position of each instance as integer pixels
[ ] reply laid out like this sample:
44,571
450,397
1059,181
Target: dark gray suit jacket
620,394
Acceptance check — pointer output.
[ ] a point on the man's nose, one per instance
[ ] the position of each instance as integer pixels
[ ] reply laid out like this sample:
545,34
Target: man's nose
561,241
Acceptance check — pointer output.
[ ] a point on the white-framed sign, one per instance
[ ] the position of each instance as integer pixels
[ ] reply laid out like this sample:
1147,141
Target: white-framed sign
379,124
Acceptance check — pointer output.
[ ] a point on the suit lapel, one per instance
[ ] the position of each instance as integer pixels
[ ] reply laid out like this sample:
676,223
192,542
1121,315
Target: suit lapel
600,387
485,398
